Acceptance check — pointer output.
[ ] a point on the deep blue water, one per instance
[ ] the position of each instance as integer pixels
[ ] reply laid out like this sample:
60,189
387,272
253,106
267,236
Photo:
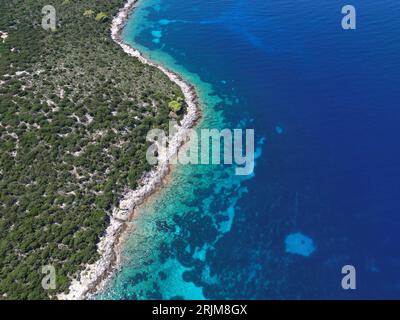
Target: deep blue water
326,101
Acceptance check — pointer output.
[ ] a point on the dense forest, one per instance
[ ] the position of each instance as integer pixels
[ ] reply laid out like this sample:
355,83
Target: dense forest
74,114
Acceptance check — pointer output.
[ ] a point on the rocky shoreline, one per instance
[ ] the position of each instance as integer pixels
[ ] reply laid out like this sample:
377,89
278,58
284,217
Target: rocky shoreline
93,279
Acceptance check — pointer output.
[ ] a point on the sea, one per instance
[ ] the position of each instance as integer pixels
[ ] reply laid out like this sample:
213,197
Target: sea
325,192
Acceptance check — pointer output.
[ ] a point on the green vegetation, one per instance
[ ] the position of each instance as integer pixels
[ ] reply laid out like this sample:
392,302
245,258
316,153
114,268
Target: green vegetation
101,17
74,113
175,106
88,13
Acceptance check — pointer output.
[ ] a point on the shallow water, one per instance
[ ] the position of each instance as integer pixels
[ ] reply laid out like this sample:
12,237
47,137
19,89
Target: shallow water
324,105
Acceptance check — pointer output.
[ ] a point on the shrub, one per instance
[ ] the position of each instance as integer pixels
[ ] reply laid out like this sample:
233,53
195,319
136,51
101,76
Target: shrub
101,17
175,106
88,13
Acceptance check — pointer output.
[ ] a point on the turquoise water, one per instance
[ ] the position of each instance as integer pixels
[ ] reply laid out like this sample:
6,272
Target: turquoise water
161,253
300,244
324,193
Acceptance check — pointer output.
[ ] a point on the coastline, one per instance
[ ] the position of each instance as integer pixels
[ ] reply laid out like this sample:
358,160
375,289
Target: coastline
95,276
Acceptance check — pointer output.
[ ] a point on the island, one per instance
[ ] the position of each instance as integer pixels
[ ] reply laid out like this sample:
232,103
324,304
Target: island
75,106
